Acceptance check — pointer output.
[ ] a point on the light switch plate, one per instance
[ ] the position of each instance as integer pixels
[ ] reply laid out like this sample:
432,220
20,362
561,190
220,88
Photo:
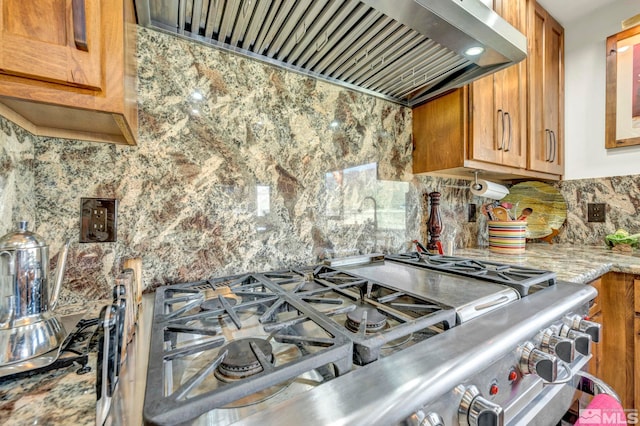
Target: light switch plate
98,220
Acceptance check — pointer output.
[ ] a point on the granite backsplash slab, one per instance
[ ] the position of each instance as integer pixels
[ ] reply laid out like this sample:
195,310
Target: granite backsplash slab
243,166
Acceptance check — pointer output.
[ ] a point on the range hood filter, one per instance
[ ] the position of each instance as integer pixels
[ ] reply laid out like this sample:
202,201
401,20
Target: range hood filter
406,51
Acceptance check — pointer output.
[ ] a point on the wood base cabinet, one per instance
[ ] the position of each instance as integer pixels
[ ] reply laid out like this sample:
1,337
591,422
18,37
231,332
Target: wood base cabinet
68,70
595,315
617,357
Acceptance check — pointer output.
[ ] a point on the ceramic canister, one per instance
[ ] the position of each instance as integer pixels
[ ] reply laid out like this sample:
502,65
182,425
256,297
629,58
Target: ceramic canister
507,237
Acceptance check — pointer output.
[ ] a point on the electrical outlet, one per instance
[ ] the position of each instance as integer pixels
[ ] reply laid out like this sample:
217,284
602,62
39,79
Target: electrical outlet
98,220
471,212
596,212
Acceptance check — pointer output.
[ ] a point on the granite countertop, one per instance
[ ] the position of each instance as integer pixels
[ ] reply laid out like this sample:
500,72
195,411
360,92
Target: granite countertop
573,263
55,397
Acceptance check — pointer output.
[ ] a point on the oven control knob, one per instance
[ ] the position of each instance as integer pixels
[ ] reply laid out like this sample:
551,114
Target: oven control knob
534,361
432,419
578,323
475,410
581,341
553,344
421,418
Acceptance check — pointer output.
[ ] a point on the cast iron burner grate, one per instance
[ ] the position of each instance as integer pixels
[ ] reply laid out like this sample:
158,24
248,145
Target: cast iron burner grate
215,342
374,316
519,278
198,327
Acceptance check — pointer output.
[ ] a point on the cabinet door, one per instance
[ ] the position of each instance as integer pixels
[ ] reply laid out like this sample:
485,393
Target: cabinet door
546,92
499,104
486,135
512,83
617,346
636,341
52,40
595,315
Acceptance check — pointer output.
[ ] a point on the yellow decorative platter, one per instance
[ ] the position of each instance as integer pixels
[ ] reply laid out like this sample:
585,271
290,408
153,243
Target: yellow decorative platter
548,205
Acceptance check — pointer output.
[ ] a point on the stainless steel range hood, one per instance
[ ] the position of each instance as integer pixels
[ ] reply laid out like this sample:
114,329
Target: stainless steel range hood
406,51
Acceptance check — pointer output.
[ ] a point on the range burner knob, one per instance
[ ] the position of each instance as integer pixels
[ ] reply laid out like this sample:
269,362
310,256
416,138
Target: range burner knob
581,341
475,410
552,343
576,322
534,361
422,419
432,419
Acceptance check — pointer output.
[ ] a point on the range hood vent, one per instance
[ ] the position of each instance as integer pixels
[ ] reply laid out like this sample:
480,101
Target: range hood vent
406,51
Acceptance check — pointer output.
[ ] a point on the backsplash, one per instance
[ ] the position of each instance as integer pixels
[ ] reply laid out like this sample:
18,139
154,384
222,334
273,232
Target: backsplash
17,196
240,166
621,194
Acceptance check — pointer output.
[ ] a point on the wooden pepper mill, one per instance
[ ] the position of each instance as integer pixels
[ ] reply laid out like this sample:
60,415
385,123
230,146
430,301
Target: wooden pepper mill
434,224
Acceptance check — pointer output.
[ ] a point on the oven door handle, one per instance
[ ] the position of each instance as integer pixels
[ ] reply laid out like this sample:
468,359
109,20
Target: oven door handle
500,300
594,386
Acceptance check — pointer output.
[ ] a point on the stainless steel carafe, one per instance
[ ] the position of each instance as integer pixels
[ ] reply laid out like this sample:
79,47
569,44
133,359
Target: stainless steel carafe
28,296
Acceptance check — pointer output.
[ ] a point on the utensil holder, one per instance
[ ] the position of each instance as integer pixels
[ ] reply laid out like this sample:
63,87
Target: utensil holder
507,237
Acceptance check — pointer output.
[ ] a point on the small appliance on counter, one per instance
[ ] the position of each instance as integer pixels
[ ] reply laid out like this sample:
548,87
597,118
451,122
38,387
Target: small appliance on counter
89,359
28,297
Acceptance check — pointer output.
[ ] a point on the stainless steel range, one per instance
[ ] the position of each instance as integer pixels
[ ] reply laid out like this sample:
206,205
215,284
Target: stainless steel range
398,339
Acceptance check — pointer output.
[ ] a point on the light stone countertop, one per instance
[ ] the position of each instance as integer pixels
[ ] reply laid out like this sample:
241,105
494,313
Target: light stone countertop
63,397
573,263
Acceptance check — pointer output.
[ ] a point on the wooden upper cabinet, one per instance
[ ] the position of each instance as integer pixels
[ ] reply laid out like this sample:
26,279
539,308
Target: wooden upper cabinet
546,92
510,124
498,117
70,39
67,68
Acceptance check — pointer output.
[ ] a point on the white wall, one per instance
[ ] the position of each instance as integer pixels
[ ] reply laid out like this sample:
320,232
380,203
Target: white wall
585,74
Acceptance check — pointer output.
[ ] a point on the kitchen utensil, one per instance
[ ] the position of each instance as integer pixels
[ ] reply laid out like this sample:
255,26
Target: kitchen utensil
549,208
28,296
419,247
108,361
525,213
487,209
501,214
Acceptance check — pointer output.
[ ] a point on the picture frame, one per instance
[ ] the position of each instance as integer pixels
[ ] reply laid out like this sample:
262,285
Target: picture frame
622,119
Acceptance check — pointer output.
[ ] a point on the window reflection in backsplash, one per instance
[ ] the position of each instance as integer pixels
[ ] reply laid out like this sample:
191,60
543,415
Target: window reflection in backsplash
372,211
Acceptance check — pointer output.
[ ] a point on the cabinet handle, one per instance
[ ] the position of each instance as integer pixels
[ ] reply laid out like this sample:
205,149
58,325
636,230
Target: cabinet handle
79,25
554,145
547,145
501,121
510,133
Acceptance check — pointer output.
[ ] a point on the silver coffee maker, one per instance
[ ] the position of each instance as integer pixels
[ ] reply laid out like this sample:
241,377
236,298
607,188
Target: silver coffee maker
28,296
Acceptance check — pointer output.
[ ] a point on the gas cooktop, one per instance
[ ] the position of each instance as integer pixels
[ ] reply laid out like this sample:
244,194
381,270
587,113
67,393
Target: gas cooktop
225,348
